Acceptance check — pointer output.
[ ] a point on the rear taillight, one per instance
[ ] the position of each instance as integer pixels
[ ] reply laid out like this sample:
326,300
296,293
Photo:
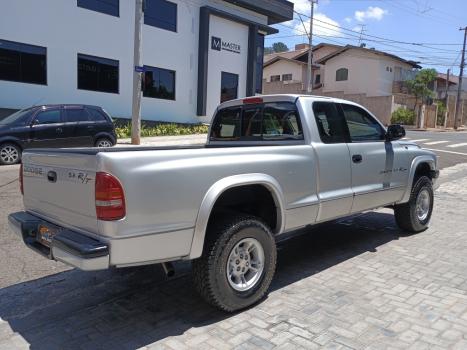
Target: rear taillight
110,199
20,178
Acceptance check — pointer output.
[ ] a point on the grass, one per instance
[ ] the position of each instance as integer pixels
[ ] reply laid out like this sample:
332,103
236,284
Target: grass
124,131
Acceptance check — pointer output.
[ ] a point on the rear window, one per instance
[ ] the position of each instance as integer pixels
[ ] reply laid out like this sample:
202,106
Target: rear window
96,115
267,122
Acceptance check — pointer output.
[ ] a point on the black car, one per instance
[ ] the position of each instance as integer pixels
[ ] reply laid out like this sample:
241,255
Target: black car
54,126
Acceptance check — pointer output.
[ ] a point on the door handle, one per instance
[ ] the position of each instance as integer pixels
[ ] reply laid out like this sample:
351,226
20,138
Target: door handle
357,158
90,127
59,130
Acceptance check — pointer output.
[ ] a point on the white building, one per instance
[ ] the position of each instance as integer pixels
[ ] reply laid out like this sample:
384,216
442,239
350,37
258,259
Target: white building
195,53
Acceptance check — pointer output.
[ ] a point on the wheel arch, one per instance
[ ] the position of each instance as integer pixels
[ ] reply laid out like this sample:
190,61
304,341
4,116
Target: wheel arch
104,134
421,165
13,140
220,187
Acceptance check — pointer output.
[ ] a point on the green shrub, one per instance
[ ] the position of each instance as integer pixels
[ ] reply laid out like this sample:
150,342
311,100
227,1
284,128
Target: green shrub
441,113
124,131
403,116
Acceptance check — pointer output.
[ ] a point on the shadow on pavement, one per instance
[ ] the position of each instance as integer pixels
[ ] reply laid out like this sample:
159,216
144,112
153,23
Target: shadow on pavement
134,307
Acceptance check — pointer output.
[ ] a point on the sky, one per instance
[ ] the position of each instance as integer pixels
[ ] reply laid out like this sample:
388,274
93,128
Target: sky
426,31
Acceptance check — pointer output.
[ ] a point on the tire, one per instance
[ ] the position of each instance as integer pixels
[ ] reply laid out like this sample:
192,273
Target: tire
210,271
411,217
103,142
10,153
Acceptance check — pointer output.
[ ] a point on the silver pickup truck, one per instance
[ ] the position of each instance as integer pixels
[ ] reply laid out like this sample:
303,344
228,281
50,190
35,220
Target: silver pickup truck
271,165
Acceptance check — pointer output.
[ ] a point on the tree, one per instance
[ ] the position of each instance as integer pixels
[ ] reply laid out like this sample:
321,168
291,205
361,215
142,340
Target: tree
279,47
419,88
276,48
268,50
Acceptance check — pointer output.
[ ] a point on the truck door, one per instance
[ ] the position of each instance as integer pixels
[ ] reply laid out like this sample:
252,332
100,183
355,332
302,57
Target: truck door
334,169
379,172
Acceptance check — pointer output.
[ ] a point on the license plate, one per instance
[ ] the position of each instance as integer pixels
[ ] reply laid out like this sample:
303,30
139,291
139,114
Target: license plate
46,234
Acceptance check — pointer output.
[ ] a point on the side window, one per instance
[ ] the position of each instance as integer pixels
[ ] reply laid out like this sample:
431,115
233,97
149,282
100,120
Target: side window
342,74
362,126
330,123
76,115
96,115
48,117
226,125
281,122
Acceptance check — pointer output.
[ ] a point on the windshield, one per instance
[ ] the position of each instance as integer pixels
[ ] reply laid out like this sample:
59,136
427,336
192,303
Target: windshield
18,117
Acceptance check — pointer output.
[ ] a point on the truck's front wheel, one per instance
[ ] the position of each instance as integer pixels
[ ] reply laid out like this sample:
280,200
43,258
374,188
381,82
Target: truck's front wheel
414,216
237,264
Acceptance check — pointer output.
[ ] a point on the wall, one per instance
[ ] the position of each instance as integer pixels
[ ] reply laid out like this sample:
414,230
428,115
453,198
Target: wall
65,30
284,67
277,87
367,73
380,106
226,61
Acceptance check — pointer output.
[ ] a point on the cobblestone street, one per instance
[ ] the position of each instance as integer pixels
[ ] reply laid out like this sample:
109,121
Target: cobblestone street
358,283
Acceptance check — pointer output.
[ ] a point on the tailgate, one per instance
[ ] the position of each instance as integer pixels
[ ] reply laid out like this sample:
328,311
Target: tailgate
59,186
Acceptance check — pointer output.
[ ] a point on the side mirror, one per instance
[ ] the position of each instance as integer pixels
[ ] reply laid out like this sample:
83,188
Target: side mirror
395,132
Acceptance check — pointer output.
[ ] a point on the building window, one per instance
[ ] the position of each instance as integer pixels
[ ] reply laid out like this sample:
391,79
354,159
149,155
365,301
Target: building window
275,78
97,74
259,62
229,86
161,14
318,79
342,74
159,83
109,7
286,77
23,63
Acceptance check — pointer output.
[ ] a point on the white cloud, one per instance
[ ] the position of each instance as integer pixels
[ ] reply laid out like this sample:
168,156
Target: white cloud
323,25
348,19
302,6
376,13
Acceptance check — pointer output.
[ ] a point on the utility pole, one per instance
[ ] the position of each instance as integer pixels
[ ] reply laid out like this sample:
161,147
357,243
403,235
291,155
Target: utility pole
447,98
362,31
309,75
457,115
137,76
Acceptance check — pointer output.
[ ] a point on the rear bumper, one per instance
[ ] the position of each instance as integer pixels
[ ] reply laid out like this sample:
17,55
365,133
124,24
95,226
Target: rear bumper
67,246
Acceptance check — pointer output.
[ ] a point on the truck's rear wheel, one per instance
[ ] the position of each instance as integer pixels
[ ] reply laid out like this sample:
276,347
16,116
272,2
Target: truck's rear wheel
237,265
415,215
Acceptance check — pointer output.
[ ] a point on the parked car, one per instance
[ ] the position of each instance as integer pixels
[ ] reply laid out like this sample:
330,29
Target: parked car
54,126
272,165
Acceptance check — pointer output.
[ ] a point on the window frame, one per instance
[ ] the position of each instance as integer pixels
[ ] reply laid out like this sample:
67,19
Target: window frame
65,110
287,75
104,13
99,112
238,83
104,58
45,68
342,69
318,79
367,114
42,110
258,140
345,129
274,76
174,83
176,17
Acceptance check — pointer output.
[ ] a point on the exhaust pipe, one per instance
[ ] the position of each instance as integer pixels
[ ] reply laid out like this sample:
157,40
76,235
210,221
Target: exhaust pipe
168,269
